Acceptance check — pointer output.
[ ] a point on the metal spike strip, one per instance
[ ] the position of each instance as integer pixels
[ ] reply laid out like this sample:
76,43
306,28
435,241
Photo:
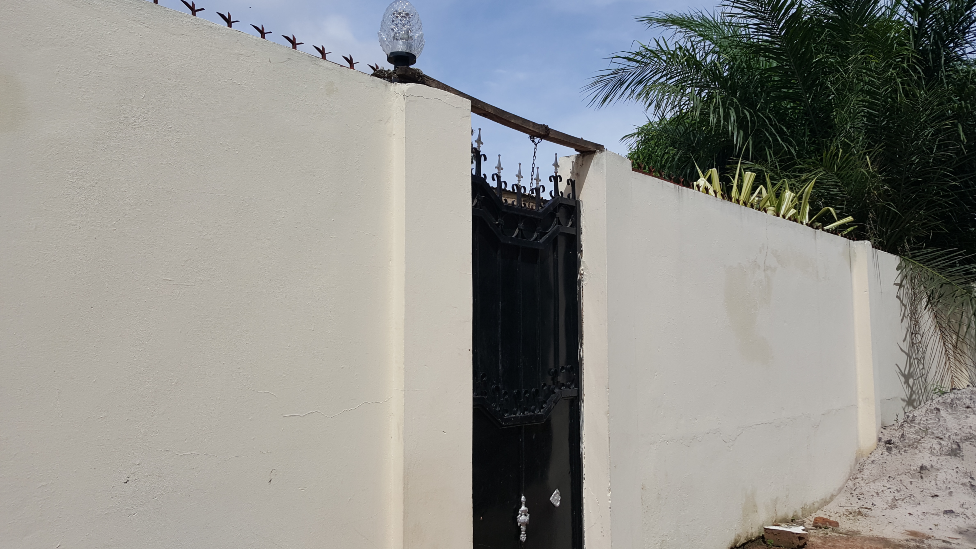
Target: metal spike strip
293,41
192,6
322,52
228,19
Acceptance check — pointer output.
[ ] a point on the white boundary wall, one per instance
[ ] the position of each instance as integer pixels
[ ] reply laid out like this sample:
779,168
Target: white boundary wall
735,365
235,311
235,291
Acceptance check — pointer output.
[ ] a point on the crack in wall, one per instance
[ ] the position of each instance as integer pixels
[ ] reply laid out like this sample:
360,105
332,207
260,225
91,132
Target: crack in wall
356,407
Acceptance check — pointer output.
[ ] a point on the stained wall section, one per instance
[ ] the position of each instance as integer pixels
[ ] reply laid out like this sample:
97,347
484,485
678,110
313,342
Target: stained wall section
219,324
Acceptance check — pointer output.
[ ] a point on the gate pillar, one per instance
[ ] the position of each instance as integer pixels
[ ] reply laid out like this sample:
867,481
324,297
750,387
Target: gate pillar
592,184
430,319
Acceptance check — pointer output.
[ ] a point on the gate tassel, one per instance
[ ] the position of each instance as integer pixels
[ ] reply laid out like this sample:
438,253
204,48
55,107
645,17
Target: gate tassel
523,519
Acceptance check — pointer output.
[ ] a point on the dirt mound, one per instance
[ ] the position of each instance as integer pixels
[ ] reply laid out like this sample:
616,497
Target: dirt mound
920,483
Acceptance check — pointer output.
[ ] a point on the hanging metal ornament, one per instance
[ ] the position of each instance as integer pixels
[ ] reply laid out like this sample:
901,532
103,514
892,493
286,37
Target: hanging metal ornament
535,148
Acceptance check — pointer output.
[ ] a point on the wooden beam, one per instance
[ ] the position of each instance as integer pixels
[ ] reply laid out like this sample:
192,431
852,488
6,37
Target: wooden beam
503,117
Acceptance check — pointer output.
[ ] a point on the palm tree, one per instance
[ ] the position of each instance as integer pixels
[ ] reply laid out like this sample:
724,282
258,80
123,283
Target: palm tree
875,99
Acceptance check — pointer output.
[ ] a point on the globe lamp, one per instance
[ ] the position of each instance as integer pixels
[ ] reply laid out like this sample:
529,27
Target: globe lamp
401,34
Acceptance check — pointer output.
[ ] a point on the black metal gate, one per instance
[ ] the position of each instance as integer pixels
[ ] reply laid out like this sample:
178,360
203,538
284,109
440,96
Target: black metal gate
527,471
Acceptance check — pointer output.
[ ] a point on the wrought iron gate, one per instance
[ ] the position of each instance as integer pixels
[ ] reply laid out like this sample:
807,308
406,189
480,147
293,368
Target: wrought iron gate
527,472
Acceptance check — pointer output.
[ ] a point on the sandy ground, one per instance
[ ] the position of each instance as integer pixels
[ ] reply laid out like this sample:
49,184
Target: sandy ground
919,484
916,490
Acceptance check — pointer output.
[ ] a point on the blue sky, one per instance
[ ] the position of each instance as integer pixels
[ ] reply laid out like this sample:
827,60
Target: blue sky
530,57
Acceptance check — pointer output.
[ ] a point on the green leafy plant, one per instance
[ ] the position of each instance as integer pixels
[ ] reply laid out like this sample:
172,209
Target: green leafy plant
777,200
874,100
709,183
742,192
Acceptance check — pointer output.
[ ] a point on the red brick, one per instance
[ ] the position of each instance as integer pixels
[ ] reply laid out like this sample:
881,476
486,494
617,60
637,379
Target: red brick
824,522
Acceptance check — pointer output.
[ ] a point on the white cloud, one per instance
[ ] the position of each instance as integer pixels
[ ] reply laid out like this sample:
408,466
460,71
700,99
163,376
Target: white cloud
337,34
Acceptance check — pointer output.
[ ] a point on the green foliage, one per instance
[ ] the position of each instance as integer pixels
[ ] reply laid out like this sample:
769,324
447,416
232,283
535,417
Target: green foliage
777,200
937,297
875,100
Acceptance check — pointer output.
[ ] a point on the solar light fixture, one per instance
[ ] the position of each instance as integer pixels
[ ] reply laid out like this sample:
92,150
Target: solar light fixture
401,34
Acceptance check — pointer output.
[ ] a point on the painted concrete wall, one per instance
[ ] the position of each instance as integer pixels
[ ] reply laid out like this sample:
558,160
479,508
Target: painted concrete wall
895,393
731,362
219,321
235,311
907,363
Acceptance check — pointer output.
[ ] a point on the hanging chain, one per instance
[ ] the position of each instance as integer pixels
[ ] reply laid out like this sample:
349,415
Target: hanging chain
535,148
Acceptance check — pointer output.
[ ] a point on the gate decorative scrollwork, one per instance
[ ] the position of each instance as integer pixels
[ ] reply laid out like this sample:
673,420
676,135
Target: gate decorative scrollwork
526,253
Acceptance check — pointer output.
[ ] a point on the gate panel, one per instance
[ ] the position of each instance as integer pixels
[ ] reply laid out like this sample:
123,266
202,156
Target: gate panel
526,365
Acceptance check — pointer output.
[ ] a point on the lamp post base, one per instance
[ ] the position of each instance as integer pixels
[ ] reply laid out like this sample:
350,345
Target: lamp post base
401,58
